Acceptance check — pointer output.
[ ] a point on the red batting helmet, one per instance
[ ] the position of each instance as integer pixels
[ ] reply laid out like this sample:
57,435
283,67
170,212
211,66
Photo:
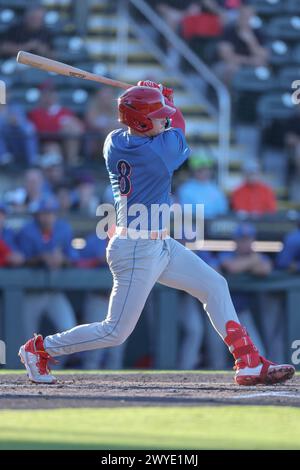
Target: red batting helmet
139,104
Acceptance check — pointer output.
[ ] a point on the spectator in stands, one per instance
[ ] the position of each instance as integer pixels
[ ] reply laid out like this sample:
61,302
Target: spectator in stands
253,197
100,119
58,123
26,197
96,307
289,257
246,261
51,164
9,253
30,34
229,10
200,188
64,196
175,11
202,29
46,242
241,45
85,200
18,139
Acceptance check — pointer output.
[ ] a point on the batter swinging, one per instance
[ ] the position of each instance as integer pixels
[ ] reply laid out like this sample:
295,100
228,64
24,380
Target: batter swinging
140,162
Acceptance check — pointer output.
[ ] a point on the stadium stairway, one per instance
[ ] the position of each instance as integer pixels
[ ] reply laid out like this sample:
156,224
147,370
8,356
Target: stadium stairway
103,46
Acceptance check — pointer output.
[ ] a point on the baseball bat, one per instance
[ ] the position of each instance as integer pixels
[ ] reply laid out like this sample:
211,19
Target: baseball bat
51,65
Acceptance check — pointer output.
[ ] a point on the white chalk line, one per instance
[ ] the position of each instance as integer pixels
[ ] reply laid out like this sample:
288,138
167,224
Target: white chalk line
267,394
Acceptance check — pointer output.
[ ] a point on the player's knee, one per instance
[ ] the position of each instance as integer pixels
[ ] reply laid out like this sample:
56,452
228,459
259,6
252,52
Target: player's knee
118,337
220,283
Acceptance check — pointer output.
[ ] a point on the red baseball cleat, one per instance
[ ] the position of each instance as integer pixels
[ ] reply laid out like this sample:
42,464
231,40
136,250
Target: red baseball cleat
35,359
251,368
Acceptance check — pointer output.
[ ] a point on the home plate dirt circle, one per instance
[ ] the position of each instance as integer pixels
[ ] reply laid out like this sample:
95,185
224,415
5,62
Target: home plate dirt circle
142,389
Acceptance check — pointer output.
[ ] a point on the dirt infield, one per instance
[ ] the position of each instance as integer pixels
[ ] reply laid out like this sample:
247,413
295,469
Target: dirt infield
141,389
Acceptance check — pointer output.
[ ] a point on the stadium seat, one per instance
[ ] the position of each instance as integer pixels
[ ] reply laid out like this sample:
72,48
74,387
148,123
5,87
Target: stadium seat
70,49
256,79
7,16
296,54
275,106
280,53
27,97
287,75
32,77
284,27
293,7
17,4
268,7
75,99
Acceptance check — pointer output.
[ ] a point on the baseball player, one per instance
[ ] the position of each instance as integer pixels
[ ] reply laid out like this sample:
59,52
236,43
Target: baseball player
140,162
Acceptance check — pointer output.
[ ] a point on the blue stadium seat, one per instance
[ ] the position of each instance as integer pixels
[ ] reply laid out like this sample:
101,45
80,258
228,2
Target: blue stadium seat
27,97
70,49
268,7
293,7
75,99
284,27
255,79
296,54
275,106
287,76
7,17
17,4
280,53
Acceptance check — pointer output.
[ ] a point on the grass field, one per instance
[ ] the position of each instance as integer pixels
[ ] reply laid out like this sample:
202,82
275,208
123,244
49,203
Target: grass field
152,428
157,418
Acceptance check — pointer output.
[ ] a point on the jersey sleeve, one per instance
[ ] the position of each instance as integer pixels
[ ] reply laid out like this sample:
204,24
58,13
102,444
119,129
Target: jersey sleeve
175,149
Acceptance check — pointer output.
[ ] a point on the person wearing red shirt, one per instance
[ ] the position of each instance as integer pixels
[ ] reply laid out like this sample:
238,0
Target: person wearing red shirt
9,253
56,122
253,196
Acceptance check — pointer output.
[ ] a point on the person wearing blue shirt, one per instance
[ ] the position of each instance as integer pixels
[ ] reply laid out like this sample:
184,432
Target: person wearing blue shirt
18,137
201,189
45,242
140,162
289,257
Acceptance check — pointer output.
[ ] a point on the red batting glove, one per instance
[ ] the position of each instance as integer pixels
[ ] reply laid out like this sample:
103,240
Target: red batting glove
167,92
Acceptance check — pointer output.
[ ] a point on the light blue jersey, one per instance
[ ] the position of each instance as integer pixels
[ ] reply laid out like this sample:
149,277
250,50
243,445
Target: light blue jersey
141,168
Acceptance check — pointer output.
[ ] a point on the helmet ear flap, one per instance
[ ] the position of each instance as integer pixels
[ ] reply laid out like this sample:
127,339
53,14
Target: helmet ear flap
134,119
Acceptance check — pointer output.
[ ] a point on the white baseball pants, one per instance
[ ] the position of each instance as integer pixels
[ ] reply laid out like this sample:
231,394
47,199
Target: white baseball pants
136,266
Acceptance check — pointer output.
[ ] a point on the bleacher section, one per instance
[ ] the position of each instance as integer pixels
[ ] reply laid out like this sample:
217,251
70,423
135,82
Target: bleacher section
95,47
